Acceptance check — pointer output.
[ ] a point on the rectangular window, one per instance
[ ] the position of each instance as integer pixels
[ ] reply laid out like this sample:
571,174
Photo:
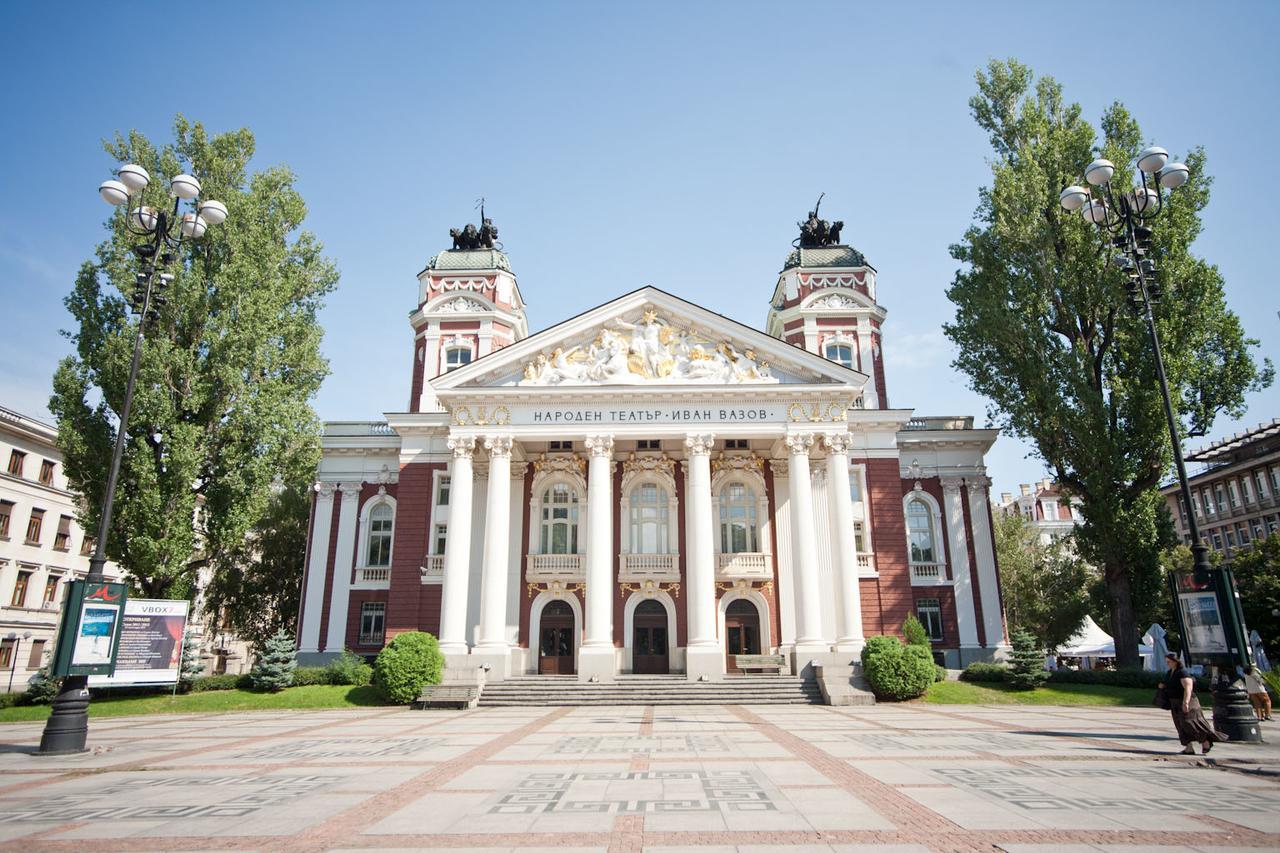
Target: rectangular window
86,546
1246,489
33,526
855,484
1259,532
1242,531
1260,478
1231,538
16,458
649,444
62,542
51,590
1195,504
442,491
441,537
372,620
929,612
1233,494
6,510
735,444
36,660
1221,496
6,654
1208,502
46,472
1217,541
860,537
1273,523
20,590
1275,481
561,445
456,357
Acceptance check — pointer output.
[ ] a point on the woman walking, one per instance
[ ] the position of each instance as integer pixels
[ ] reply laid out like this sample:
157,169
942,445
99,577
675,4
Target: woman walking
1179,688
1257,693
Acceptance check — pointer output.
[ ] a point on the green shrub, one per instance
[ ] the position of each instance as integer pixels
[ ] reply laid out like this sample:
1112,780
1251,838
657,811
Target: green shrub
305,676
215,682
983,671
1272,680
8,700
41,689
1027,671
895,671
349,668
939,672
406,664
276,663
914,632
1116,678
191,665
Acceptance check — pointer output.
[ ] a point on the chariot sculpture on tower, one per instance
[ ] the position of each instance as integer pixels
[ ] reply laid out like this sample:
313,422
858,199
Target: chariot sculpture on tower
815,232
469,237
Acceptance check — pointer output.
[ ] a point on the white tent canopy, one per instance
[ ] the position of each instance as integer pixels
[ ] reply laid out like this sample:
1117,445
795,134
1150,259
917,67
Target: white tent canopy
1093,642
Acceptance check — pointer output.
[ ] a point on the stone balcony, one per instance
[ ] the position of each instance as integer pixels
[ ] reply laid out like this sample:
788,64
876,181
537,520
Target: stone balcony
928,574
745,565
544,568
432,568
374,576
642,567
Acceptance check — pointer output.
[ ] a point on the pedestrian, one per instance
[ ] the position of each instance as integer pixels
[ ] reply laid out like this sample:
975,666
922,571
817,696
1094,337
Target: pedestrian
1257,693
1179,687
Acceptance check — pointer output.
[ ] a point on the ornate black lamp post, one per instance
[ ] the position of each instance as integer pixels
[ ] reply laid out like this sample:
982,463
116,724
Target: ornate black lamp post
1123,217
161,233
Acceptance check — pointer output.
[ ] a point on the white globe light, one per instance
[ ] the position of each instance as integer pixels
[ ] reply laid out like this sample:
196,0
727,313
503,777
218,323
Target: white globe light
1145,200
194,225
1073,197
113,192
1095,212
1152,160
213,212
134,177
145,218
1099,172
185,186
1174,175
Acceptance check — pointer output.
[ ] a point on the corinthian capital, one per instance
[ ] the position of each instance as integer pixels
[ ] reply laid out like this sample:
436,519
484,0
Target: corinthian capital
798,444
837,442
498,445
350,491
979,482
324,491
951,484
599,445
462,446
699,444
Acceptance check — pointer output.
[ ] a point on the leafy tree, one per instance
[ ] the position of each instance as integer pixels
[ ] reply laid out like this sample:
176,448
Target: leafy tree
191,664
914,633
1257,572
1044,586
257,581
276,663
1043,330
221,407
1026,671
411,661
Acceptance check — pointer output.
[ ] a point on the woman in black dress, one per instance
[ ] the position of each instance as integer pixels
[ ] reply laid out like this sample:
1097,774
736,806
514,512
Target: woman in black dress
1179,688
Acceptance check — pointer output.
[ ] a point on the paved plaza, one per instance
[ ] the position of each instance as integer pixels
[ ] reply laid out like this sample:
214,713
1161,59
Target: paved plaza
909,777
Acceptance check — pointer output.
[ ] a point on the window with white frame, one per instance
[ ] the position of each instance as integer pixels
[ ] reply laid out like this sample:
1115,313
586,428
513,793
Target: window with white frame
929,612
855,485
649,521
1242,532
736,444
1217,541
456,356
1221,496
442,490
440,539
920,532
1231,538
860,537
560,519
649,444
1260,478
1275,481
373,616
1233,494
1273,523
1246,489
1258,530
1207,501
560,446
841,354
739,526
381,521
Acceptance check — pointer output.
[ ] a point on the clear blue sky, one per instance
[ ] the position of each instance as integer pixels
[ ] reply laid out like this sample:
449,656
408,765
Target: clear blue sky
666,144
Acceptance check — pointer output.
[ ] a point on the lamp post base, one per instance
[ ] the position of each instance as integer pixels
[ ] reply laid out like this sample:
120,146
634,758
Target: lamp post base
67,729
1232,713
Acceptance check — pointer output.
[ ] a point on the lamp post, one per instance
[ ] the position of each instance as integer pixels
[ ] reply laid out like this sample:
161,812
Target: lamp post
17,649
161,232
1124,217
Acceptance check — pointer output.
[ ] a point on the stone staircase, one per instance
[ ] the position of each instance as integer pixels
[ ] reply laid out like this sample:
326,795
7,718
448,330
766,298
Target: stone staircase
652,690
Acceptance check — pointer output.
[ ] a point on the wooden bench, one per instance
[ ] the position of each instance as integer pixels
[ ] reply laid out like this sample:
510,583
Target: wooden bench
460,696
761,663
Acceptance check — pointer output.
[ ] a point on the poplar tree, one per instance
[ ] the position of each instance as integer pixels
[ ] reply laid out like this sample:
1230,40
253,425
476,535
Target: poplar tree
1043,330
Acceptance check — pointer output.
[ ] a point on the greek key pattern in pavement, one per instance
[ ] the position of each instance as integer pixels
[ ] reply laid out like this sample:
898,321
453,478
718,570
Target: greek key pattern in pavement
346,747
640,743
720,790
928,741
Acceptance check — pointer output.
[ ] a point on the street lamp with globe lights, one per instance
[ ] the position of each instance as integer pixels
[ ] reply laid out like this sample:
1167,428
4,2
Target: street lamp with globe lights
1125,217
162,232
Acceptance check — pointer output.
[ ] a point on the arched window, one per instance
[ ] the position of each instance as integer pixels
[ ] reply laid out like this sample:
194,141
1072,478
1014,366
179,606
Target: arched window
841,354
920,533
455,357
739,528
381,521
649,519
560,519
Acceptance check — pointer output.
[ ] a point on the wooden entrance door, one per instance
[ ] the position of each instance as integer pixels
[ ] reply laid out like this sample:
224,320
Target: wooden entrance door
741,632
649,639
555,640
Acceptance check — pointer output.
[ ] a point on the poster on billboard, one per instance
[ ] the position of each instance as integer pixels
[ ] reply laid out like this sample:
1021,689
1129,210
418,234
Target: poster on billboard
1205,633
150,649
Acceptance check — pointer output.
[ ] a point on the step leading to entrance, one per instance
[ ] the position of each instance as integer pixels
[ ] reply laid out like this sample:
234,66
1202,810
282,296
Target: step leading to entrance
652,690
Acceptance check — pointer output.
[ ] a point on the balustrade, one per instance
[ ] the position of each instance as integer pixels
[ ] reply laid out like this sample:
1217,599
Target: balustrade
563,567
636,567
746,564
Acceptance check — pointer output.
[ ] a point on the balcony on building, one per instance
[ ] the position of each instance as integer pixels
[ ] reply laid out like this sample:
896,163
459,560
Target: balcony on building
664,568
544,568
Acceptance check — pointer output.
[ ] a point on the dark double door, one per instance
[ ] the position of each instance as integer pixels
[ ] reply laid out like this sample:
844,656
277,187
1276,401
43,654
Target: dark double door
649,640
741,632
555,640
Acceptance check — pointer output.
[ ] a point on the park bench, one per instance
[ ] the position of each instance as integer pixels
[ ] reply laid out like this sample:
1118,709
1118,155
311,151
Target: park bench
760,663
448,696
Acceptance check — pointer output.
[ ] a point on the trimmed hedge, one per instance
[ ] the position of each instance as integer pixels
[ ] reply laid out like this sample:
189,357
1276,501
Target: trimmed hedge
1116,678
409,662
228,681
980,671
895,671
939,672
349,668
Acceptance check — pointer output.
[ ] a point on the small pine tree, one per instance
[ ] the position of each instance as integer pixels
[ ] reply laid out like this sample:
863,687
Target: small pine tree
1027,661
914,632
191,664
276,663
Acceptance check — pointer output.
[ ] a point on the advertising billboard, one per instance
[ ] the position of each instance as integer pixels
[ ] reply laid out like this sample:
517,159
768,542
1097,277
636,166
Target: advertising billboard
150,648
89,632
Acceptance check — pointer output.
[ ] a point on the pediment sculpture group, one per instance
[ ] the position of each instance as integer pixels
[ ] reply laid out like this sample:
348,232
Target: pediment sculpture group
650,350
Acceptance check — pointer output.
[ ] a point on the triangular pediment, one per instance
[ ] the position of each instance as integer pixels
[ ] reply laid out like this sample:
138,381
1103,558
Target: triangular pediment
648,338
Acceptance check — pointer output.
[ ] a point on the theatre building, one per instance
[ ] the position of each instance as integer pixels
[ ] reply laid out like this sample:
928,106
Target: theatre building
649,486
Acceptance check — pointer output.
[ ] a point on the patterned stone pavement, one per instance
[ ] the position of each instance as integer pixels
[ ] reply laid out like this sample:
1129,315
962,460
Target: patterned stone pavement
900,777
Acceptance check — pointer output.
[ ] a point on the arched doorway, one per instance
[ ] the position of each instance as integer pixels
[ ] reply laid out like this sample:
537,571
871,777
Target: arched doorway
555,640
741,632
649,639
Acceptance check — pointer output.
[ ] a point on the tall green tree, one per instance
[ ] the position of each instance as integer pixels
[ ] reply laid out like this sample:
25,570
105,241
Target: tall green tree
1043,330
1044,586
222,406
1257,572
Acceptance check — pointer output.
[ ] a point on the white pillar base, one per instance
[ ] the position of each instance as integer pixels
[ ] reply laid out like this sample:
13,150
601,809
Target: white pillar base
811,647
454,650
498,659
702,661
599,662
851,645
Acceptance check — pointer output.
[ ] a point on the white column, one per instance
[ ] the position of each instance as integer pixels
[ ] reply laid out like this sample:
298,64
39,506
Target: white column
457,549
805,560
957,546
497,528
849,636
703,656
343,565
866,359
596,656
313,600
985,552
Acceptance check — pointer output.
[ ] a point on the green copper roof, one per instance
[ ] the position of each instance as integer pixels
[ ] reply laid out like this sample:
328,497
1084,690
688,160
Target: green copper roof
476,259
825,256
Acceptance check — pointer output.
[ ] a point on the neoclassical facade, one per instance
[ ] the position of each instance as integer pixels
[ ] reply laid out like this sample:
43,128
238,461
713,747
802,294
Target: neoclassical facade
650,487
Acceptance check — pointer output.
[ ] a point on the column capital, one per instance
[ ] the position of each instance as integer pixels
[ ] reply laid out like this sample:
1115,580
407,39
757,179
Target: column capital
518,470
350,492
700,444
599,446
798,443
837,442
978,482
780,467
498,445
462,446
324,490
951,484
